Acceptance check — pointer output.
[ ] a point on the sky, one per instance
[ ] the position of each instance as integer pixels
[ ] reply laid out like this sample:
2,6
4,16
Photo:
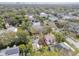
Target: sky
39,0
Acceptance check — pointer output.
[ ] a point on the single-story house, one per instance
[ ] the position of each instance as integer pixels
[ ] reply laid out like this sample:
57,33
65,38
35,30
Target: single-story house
14,51
74,27
49,39
12,29
68,17
53,18
64,49
37,26
42,14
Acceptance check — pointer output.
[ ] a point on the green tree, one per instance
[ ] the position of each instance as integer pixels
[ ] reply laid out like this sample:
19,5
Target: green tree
21,37
7,39
59,37
29,49
1,23
22,48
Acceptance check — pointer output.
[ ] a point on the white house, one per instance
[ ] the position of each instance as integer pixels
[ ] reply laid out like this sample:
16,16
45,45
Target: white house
12,29
43,15
53,18
69,17
30,17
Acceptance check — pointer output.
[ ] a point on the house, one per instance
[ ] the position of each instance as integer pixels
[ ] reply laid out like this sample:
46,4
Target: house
31,17
35,44
36,23
64,47
74,27
68,17
53,18
7,25
11,29
42,14
74,42
14,51
37,26
60,15
49,39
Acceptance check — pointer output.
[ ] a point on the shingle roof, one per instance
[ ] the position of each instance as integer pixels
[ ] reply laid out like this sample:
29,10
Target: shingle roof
12,51
65,46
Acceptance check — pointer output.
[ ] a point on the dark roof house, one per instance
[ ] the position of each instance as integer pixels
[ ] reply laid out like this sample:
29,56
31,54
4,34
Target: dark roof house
14,51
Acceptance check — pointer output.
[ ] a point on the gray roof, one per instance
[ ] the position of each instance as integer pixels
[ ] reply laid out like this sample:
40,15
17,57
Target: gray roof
37,26
61,45
10,51
73,27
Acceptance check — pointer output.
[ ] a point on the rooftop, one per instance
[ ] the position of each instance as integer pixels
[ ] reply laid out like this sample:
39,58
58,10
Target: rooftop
10,51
